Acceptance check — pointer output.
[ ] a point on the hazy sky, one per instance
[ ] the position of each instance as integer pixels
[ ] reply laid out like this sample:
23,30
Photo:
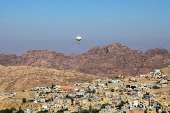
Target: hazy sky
54,24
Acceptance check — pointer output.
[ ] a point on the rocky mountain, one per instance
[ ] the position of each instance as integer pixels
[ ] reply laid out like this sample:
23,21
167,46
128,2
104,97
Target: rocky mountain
18,78
109,61
8,59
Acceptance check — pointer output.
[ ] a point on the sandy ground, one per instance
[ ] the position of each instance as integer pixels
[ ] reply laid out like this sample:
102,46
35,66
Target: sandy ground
27,95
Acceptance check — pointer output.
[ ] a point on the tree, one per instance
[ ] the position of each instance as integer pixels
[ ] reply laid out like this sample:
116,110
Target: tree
122,102
128,93
145,111
13,109
104,105
40,94
116,77
20,111
88,91
147,93
84,111
163,112
6,111
72,100
62,110
156,87
95,111
109,81
52,86
90,108
159,104
24,100
45,111
48,100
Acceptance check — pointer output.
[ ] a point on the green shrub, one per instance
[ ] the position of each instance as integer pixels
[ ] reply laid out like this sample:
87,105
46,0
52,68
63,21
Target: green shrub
48,100
84,111
128,93
62,110
156,87
52,86
89,100
116,77
163,112
24,100
20,111
122,102
6,111
45,111
104,105
13,109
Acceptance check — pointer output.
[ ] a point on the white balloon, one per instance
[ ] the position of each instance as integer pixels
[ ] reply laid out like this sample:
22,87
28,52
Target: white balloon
78,37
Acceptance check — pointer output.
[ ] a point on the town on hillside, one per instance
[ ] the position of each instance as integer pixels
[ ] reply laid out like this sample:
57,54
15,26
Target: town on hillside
148,93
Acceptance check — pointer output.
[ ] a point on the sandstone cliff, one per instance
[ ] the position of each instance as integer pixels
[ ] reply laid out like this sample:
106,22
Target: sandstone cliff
107,61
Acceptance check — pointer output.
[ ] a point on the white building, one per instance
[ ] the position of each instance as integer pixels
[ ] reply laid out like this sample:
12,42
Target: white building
134,103
56,87
157,73
77,84
28,111
35,101
157,70
92,87
44,106
116,81
42,100
80,93
101,84
142,76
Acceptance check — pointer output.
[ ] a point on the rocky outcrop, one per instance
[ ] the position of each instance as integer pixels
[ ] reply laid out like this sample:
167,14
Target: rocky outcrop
8,59
108,61
41,58
155,58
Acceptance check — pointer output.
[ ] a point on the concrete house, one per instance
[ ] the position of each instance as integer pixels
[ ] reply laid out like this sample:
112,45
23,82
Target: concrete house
44,106
142,76
136,111
164,81
108,109
134,103
116,81
80,93
157,73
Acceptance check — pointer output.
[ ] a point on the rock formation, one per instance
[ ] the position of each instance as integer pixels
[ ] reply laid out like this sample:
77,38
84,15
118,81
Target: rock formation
109,61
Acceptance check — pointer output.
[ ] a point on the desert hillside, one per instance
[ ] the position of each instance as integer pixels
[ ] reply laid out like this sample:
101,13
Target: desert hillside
110,60
166,71
18,78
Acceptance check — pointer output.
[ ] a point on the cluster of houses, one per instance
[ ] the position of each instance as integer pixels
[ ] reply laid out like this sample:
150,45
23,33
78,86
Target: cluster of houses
116,95
6,95
157,74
